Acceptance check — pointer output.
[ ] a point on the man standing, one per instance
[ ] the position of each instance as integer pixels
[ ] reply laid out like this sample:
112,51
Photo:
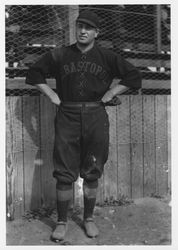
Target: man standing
83,73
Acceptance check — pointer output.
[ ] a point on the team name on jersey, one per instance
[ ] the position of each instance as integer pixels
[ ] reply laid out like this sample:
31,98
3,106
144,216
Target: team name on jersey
87,66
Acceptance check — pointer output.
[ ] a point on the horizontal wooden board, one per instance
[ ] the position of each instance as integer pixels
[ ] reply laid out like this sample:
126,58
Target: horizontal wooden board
149,62
150,47
19,83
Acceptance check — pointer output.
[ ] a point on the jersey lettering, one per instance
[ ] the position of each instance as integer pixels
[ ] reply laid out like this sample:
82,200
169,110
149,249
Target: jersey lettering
73,68
66,69
92,68
98,70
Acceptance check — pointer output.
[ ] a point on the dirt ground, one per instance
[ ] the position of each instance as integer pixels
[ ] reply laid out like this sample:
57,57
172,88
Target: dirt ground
145,221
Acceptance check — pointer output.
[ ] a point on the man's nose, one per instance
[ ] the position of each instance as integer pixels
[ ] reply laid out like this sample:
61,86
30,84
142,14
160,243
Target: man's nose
83,30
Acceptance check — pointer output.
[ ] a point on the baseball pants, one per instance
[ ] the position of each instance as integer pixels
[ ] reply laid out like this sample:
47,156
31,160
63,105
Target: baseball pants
81,142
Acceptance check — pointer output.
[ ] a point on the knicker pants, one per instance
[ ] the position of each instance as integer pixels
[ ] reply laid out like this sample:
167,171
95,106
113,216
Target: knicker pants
81,143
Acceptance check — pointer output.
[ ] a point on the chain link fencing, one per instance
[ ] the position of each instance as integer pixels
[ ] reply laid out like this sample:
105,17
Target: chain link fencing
139,127
140,33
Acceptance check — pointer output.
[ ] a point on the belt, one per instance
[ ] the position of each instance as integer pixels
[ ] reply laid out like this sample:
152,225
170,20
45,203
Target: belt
82,104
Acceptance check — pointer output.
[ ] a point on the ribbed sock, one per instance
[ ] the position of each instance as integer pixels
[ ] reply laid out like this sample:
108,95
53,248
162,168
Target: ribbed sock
89,191
64,196
89,205
62,210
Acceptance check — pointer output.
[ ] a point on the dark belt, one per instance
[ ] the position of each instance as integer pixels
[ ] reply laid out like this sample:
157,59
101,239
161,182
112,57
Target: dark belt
82,104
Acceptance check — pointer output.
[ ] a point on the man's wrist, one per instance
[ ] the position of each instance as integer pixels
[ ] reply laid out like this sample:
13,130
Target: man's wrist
118,89
112,92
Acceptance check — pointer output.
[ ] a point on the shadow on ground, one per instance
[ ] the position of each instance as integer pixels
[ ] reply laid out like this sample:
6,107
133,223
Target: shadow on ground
146,221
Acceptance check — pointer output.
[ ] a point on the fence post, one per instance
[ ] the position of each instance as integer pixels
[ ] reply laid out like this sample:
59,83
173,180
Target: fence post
158,28
73,11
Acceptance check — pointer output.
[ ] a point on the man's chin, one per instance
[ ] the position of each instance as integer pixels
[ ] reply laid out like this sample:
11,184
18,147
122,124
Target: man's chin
83,44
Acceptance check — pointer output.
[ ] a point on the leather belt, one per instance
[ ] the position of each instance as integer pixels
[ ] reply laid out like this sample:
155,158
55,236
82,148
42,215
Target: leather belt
82,104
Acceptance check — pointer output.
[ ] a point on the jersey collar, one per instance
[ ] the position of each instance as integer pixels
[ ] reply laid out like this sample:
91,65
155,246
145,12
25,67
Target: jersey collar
88,52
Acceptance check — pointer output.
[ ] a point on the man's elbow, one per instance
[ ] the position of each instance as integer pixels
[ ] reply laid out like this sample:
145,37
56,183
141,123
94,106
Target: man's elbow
34,77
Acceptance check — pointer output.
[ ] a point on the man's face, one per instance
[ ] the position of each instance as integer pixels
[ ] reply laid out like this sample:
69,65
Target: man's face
85,33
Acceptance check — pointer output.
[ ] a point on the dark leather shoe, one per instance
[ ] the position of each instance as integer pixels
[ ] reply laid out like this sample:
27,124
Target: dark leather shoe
60,231
91,228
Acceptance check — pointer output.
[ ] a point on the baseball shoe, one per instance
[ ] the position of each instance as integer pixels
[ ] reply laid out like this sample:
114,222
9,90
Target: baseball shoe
90,228
60,231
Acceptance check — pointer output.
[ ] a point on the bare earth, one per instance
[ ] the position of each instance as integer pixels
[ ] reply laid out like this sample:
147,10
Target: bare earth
146,221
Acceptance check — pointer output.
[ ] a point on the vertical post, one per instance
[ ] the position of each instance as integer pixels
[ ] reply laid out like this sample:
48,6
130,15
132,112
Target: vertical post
169,141
73,11
158,28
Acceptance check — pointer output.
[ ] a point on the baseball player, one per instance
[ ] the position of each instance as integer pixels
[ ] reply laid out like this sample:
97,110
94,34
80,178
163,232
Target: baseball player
84,73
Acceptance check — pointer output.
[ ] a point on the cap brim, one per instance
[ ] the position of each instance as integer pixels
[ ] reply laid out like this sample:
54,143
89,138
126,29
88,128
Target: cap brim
83,20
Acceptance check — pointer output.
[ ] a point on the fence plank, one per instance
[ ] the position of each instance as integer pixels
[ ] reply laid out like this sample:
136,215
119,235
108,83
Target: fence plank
47,115
31,135
169,141
149,145
123,147
161,145
110,169
156,84
149,62
100,191
14,156
78,192
136,146
131,46
73,12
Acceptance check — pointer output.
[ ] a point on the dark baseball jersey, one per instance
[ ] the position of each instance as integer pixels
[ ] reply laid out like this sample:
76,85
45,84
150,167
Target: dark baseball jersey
83,76
82,135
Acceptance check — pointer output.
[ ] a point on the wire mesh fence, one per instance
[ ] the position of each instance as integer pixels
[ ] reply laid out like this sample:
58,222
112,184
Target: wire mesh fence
139,127
140,33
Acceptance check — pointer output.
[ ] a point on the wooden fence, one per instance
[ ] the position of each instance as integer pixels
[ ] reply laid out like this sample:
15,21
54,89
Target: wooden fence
139,161
139,156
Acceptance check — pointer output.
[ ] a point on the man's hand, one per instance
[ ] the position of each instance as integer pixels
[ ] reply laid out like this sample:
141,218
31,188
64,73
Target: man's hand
55,99
111,96
115,101
107,96
50,93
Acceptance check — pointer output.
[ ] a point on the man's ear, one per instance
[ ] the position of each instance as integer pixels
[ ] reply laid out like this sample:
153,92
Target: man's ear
97,33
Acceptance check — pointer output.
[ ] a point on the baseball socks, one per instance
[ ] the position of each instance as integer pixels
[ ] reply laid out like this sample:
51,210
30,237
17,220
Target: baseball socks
90,191
64,194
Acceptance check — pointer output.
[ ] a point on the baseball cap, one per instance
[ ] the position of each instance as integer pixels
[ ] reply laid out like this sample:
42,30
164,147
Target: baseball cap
88,17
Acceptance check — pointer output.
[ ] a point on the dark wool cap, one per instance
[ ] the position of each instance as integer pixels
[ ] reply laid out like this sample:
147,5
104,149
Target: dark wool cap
88,17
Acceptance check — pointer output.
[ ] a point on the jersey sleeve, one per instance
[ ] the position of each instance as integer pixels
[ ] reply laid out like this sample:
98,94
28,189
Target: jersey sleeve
130,76
40,70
